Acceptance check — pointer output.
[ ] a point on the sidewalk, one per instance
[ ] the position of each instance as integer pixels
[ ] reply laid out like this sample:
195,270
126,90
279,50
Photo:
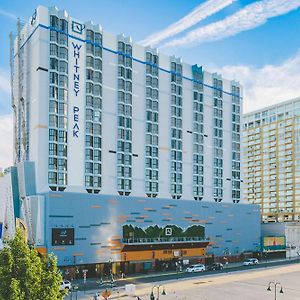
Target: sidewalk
137,276
91,286
234,282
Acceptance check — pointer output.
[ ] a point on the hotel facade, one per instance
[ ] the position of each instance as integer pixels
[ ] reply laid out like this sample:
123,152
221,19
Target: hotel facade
115,137
272,160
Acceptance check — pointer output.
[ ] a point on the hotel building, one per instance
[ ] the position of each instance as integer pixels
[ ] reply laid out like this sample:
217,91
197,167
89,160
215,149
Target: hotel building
112,134
272,160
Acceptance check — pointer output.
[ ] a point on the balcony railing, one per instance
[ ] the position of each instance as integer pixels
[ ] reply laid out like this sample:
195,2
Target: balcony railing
163,240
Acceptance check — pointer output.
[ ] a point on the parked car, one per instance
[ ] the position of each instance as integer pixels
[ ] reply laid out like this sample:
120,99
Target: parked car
195,268
250,262
65,285
215,267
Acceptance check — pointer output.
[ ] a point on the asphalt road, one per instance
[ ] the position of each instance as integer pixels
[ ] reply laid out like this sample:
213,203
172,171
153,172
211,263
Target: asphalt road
246,283
91,284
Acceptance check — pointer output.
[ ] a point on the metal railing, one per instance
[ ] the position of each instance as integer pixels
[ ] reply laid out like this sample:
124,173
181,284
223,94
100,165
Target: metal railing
162,240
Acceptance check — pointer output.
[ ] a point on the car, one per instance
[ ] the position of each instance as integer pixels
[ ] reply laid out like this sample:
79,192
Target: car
65,285
195,268
250,262
215,267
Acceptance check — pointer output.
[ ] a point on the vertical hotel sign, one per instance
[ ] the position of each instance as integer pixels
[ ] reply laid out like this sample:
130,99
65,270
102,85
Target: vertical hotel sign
76,104
76,88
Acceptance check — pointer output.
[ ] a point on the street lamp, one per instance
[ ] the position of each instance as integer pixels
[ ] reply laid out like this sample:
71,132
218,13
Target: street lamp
110,263
111,275
290,247
178,266
275,288
158,288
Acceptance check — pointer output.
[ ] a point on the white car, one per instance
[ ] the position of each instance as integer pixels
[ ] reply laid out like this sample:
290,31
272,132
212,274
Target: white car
250,262
195,268
65,285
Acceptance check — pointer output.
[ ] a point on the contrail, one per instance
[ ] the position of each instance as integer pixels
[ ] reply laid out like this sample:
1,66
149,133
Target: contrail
200,13
8,15
249,17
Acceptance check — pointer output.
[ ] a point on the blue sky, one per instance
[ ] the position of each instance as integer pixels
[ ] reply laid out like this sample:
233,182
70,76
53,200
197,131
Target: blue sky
264,58
271,43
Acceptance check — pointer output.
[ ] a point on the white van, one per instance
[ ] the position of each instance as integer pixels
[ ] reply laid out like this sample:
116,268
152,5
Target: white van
195,268
65,285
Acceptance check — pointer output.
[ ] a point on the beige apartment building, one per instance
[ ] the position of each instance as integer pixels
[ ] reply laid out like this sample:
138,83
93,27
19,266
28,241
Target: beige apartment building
271,142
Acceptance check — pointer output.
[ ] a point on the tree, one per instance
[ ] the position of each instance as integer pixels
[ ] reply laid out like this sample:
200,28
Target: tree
24,275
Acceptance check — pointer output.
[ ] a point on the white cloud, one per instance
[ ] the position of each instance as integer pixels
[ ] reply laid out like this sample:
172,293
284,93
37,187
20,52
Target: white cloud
200,13
249,17
6,138
268,85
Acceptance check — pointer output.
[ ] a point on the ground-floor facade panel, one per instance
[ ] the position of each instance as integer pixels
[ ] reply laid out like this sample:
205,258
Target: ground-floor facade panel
84,229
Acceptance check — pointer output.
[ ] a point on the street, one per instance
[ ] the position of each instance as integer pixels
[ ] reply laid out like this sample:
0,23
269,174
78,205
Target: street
247,284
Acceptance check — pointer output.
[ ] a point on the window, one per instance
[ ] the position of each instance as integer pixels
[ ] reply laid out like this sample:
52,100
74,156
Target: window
63,25
63,53
63,81
97,142
63,39
62,108
62,150
89,180
89,101
52,149
63,67
53,78
52,178
53,121
88,154
53,106
62,138
89,88
53,135
53,64
54,36
97,155
97,90
62,178
89,62
97,77
90,49
96,182
63,94
53,49
54,21
97,103
52,163
62,164
98,64
88,167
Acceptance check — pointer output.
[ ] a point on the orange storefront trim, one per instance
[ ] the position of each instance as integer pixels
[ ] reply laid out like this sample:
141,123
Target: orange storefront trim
162,254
